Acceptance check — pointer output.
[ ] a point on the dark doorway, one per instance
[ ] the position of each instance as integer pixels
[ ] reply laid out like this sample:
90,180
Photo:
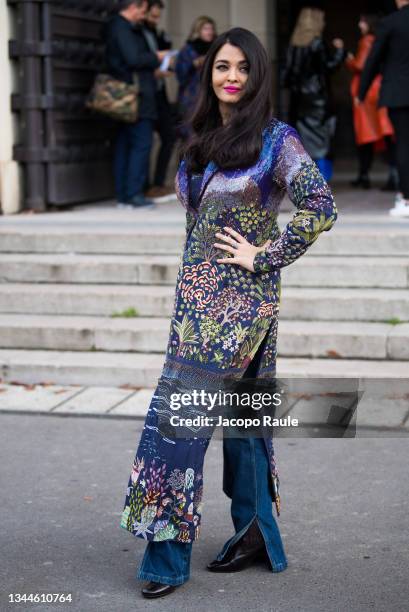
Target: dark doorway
64,150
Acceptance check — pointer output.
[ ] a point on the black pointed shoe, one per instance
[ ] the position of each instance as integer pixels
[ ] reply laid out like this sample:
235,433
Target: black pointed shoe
156,589
249,548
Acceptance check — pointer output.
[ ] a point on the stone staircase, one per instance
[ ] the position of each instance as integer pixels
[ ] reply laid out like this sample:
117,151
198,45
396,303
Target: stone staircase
89,304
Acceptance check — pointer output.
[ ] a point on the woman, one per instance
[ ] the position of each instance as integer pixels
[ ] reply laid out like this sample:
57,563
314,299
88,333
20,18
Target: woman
371,124
310,63
189,64
233,175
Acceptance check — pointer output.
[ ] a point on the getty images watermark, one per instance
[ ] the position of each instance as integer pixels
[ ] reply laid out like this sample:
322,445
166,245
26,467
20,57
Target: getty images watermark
285,407
228,399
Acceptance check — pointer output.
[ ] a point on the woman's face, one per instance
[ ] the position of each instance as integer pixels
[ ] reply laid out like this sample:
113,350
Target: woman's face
207,32
229,74
363,27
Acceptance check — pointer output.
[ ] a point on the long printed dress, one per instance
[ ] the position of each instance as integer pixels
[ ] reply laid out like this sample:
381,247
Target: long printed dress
222,314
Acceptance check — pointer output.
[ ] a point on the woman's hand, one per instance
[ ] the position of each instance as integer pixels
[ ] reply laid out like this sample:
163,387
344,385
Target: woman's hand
243,252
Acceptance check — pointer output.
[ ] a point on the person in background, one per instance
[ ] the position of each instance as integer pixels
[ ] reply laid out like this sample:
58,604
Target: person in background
310,62
372,125
390,57
127,52
165,122
188,66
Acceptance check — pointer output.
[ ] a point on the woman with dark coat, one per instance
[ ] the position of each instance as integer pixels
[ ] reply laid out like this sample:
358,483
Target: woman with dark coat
233,175
372,125
189,64
310,62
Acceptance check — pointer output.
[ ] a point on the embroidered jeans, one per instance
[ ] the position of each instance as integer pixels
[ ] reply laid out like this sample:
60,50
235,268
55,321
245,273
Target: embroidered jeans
168,562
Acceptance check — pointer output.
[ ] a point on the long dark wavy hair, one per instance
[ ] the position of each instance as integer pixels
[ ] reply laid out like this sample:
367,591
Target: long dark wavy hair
239,142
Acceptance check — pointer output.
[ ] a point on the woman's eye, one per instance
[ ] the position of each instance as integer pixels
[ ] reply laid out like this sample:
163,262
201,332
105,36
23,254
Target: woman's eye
224,67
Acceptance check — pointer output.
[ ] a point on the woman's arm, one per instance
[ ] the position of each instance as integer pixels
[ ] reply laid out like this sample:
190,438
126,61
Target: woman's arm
316,209
356,63
330,58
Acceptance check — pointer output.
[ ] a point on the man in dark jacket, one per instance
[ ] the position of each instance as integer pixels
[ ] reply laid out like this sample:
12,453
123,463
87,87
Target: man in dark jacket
165,123
390,57
128,54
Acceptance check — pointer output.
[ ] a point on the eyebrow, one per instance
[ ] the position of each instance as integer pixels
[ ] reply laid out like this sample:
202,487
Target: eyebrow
227,61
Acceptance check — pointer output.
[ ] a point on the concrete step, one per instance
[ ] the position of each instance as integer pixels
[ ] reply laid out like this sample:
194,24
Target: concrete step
76,368
343,340
336,339
89,269
84,333
161,240
309,271
314,271
352,238
337,304
143,370
312,304
103,300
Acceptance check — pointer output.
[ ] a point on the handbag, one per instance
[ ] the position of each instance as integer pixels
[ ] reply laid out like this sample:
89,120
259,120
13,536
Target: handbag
114,98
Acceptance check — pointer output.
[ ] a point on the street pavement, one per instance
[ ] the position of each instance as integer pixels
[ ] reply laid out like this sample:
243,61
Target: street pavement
344,522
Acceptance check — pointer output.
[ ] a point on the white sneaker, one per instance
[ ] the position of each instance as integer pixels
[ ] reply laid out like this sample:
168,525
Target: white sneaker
401,208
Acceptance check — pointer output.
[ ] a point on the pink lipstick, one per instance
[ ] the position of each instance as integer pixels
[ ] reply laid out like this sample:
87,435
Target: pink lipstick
231,89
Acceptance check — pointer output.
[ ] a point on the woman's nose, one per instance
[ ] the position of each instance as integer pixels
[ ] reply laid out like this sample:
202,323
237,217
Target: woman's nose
232,76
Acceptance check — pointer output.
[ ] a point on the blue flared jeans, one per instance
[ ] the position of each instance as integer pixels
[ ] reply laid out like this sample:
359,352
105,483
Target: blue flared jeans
168,562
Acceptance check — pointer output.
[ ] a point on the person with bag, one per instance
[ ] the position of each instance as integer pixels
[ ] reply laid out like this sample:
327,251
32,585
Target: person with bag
129,59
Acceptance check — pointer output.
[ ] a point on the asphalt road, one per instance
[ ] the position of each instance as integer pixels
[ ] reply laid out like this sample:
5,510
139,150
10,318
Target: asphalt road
344,522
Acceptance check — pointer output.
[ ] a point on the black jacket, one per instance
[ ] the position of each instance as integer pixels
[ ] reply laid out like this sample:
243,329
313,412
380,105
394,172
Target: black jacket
390,57
307,75
163,41
127,51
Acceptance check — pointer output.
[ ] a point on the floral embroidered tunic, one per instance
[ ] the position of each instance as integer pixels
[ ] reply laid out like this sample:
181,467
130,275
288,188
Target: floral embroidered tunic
222,315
